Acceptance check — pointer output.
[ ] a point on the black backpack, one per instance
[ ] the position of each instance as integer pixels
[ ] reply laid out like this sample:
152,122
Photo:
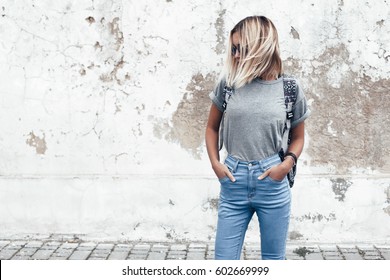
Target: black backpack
290,97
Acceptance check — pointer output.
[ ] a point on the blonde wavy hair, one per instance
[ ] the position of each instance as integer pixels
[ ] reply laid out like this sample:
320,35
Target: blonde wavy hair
259,52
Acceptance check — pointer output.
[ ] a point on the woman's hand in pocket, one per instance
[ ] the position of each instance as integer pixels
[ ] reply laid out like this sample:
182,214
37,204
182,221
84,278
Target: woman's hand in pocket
222,171
276,173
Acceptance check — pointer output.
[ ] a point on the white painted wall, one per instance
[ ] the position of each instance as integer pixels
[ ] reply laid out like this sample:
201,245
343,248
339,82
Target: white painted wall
103,108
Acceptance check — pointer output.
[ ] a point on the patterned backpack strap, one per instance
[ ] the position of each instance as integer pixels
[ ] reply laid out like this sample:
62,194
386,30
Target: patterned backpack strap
290,97
227,93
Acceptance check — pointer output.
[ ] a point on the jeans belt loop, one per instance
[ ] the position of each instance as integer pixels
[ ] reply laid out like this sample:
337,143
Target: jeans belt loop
235,165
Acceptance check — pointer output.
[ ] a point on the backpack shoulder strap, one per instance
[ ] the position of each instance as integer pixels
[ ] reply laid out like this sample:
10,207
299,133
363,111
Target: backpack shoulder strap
290,96
227,93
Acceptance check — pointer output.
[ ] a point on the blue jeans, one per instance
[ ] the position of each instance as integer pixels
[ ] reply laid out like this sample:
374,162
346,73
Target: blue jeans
238,200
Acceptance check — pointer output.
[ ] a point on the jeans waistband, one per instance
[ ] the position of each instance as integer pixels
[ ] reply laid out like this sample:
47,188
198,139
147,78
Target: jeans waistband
265,164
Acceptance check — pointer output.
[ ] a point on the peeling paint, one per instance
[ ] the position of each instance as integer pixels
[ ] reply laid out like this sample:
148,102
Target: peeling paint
387,210
316,217
90,20
112,76
302,251
295,235
220,28
340,187
136,226
189,120
361,107
387,192
98,46
294,33
210,204
37,142
115,30
380,23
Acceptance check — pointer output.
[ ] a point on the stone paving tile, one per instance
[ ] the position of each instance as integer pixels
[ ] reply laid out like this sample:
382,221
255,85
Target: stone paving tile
120,252
3,243
99,254
294,257
331,252
350,257
252,257
196,255
373,257
15,245
11,249
81,250
137,257
156,256
63,252
123,247
69,246
80,255
142,247
158,248
42,254
197,246
118,255
350,253
210,252
52,244
382,246
25,253
176,254
34,244
8,254
178,247
87,246
386,254
46,251
105,246
251,253
369,252
314,256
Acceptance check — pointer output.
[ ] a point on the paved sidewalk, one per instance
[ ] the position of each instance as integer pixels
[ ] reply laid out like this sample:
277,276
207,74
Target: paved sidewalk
76,249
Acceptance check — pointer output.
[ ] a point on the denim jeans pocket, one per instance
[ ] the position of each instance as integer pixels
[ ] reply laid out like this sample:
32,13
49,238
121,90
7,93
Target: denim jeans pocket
269,178
224,179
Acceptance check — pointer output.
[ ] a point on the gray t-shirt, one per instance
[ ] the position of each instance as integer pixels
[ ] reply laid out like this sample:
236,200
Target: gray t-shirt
255,117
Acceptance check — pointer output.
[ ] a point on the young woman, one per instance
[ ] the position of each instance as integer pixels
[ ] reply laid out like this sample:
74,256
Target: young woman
253,177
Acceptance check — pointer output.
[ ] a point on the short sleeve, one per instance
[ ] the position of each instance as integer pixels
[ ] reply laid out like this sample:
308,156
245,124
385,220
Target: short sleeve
217,95
300,109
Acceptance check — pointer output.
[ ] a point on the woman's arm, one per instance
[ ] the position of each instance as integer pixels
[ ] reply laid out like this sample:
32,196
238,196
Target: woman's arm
212,139
296,146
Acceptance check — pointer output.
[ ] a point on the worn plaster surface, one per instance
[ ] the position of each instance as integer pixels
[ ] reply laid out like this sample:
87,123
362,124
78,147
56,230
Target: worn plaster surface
104,105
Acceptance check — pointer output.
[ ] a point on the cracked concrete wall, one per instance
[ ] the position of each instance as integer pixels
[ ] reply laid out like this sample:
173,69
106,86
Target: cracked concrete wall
104,106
